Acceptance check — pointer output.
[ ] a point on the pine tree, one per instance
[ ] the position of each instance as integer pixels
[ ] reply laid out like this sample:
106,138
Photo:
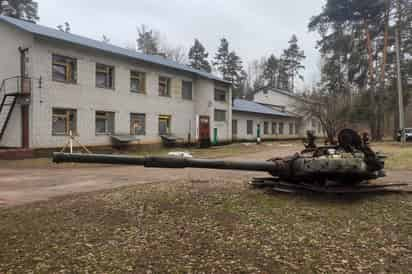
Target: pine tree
147,41
222,58
198,57
20,9
283,74
271,72
229,64
293,58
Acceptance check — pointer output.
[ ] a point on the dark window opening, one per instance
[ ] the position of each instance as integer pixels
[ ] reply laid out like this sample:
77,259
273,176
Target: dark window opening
137,82
220,115
164,86
104,76
64,69
137,124
104,123
64,121
187,90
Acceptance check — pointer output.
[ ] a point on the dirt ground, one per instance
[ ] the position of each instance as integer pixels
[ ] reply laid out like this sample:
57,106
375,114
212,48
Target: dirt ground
26,182
196,221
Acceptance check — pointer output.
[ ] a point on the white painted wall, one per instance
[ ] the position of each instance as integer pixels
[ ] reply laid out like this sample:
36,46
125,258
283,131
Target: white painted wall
289,102
87,99
10,40
242,117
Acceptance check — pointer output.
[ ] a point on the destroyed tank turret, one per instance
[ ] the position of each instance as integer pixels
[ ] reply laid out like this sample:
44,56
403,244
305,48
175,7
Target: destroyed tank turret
350,162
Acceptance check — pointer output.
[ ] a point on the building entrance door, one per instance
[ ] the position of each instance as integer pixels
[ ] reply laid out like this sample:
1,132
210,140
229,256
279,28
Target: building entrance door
204,131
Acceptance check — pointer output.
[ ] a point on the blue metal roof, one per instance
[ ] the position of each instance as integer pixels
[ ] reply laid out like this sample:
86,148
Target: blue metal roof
39,30
253,107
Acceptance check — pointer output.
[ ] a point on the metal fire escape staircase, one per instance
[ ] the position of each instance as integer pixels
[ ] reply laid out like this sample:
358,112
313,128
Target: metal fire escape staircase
11,90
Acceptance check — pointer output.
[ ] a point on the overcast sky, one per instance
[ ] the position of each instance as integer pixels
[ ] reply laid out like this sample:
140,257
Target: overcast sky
254,28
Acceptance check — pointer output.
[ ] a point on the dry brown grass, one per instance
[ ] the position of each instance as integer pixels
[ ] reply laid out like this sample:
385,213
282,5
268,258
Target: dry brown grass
220,227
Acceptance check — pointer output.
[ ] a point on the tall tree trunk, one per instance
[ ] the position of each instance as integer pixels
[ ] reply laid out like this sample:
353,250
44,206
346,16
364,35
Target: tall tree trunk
372,87
380,110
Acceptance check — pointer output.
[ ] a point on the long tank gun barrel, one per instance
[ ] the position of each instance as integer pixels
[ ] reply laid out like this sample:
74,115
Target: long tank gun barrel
166,162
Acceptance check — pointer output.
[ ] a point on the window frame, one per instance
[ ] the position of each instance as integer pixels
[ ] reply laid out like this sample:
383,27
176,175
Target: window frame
110,72
168,86
219,97
221,111
168,118
274,128
109,115
249,127
266,128
67,121
191,90
141,77
281,128
68,66
133,133
291,128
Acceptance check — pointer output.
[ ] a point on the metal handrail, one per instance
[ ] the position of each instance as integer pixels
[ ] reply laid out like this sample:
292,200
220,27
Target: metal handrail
19,88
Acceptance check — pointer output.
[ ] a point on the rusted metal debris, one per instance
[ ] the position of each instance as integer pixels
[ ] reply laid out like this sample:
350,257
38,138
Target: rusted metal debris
346,167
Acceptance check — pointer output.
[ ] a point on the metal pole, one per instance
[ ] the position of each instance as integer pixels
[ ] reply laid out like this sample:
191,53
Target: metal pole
400,89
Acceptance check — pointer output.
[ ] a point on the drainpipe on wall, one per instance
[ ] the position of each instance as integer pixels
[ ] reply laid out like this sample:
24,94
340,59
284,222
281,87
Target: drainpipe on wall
24,107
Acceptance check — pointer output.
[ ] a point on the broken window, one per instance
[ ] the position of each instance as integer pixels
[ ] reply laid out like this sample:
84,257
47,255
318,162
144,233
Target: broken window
220,115
274,128
164,86
187,90
220,93
104,123
104,76
249,127
165,124
137,82
137,124
64,69
266,128
281,125
64,121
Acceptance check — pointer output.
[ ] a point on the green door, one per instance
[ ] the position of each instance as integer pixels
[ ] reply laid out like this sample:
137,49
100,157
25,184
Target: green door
215,141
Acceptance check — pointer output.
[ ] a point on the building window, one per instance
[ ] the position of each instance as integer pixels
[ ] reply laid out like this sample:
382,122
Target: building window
291,127
281,125
137,124
313,123
165,125
64,121
187,90
249,127
274,128
266,128
220,115
104,123
164,86
64,69
104,76
137,82
220,93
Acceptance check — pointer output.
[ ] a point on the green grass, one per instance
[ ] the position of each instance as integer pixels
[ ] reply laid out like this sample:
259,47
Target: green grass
186,227
399,156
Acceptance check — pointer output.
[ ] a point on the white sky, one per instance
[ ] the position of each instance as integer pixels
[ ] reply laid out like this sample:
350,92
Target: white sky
254,28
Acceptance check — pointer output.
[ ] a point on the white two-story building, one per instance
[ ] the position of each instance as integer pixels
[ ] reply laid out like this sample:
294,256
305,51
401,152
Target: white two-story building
54,83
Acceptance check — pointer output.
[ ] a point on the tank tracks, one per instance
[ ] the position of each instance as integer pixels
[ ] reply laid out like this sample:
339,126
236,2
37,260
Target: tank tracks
277,185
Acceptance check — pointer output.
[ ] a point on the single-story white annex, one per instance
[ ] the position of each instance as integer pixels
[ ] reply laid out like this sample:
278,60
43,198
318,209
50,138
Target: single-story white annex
250,119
